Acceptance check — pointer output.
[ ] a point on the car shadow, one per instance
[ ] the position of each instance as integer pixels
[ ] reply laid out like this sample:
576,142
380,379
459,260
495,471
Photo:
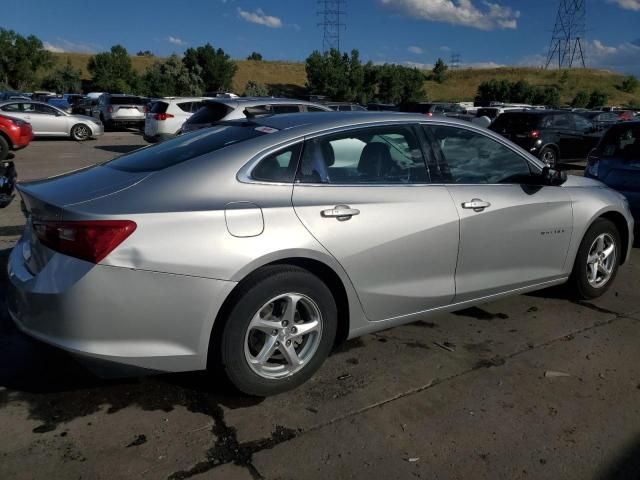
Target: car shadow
57,388
626,465
119,148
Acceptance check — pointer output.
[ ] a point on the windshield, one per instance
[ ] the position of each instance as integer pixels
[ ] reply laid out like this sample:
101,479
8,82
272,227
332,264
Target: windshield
622,141
209,113
183,148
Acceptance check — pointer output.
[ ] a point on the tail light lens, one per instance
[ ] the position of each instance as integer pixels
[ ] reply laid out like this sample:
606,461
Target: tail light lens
534,134
110,109
162,116
89,240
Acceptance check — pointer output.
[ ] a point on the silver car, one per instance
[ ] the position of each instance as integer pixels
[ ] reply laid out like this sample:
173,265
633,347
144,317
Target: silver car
256,245
49,121
116,110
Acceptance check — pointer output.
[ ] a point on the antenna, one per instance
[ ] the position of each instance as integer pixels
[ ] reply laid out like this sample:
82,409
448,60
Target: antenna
331,13
568,35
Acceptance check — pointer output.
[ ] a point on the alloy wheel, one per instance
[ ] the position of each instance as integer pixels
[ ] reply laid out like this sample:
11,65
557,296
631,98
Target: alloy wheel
601,260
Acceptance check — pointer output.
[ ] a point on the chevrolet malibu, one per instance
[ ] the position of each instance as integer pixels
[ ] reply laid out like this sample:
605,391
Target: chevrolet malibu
254,246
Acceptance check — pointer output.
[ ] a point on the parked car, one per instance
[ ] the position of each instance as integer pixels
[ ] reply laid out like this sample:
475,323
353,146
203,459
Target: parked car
433,108
345,107
49,121
221,109
166,116
14,135
550,135
115,110
61,103
8,179
85,106
616,162
382,107
254,246
603,120
494,112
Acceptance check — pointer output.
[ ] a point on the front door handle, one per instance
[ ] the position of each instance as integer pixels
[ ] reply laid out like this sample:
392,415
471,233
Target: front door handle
476,205
341,212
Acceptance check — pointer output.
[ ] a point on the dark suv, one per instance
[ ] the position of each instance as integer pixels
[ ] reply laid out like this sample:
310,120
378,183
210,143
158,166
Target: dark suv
549,135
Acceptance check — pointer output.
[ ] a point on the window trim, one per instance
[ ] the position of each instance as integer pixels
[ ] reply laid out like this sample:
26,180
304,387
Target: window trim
497,138
245,174
297,148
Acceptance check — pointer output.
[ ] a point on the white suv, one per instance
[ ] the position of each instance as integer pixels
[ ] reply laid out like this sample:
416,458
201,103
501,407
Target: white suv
166,116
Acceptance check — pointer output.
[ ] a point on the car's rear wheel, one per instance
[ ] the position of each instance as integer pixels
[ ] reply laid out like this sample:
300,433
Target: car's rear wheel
4,148
549,156
279,331
80,132
597,261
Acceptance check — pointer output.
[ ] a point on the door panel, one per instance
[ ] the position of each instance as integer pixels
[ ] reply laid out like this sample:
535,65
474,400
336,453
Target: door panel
400,251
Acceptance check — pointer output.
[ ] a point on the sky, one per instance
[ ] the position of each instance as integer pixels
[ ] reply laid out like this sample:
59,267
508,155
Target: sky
411,32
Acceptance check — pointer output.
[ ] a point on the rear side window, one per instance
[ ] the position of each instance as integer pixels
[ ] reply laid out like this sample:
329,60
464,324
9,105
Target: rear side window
278,167
515,123
127,101
622,141
562,121
211,112
159,107
183,148
12,107
277,109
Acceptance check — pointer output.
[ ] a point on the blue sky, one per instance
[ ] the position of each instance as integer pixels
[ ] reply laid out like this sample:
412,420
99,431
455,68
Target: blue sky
494,32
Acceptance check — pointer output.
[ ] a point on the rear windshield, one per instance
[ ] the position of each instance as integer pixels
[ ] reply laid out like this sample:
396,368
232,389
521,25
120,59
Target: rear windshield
622,141
516,122
183,148
159,107
211,112
127,101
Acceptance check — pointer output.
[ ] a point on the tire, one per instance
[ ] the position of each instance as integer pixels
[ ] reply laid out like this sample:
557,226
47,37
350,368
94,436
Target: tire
80,132
264,297
4,148
549,156
582,282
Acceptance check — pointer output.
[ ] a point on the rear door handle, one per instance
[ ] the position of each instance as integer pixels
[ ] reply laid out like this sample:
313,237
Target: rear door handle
476,205
341,212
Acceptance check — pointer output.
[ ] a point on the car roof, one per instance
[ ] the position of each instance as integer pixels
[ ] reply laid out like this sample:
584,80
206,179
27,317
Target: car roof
250,101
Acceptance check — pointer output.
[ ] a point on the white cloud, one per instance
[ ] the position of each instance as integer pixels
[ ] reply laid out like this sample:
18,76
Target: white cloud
628,4
62,45
176,41
416,50
458,12
260,18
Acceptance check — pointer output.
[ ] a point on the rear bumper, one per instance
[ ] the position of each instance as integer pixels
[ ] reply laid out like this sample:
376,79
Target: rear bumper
125,121
136,318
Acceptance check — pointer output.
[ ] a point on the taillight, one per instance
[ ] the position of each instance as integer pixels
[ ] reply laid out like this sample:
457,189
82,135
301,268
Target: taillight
534,134
110,109
90,240
162,116
429,114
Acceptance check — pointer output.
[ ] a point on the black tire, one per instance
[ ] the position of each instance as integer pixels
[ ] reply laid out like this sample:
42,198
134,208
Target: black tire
549,156
581,289
4,148
80,132
267,284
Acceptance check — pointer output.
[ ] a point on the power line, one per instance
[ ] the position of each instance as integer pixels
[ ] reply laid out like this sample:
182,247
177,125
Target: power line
331,13
568,35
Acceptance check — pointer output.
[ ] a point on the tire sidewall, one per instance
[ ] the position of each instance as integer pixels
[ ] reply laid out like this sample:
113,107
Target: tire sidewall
4,148
73,132
232,355
583,289
555,156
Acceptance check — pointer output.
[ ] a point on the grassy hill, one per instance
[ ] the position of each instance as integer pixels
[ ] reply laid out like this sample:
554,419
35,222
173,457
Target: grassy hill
288,78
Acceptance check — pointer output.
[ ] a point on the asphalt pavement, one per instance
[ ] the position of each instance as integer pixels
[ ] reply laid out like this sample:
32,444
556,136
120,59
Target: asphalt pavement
532,387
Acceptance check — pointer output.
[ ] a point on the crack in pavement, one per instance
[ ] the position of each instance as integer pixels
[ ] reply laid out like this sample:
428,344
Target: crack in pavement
228,449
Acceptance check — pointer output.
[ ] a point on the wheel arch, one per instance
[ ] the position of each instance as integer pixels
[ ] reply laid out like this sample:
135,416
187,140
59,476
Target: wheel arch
623,229
7,138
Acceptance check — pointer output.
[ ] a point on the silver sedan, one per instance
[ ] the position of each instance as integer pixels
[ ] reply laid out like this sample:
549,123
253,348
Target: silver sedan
254,246
49,121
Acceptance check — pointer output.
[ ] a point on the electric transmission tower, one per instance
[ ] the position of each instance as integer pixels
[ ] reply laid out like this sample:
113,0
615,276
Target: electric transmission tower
331,13
565,50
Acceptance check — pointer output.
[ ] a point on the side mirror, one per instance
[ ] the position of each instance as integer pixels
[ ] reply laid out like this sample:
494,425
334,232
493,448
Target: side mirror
553,177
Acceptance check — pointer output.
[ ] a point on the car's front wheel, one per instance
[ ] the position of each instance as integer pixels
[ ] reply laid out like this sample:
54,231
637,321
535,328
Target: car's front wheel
597,261
80,132
279,331
549,157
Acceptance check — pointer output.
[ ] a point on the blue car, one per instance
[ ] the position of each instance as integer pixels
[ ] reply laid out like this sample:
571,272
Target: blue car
616,162
60,102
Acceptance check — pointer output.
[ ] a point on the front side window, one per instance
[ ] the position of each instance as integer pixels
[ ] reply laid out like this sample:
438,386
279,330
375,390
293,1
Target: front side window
279,166
473,158
44,109
562,121
582,123
375,155
622,141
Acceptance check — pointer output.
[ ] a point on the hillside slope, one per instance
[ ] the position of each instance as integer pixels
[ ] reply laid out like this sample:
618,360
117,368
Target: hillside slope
288,78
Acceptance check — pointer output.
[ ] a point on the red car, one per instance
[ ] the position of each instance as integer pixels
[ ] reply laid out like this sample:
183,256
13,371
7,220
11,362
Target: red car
14,135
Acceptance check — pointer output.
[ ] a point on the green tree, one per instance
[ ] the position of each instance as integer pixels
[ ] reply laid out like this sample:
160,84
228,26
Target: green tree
521,92
549,96
581,100
214,66
255,89
630,84
255,56
65,79
171,78
494,91
439,71
597,98
20,59
398,84
112,71
145,53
